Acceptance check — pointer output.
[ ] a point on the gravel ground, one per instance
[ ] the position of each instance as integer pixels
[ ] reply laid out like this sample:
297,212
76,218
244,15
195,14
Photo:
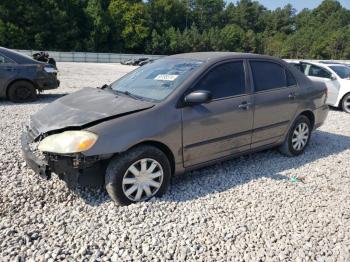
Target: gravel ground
246,209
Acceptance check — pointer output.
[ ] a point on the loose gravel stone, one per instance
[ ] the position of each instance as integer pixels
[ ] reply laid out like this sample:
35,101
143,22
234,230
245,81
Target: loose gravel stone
246,209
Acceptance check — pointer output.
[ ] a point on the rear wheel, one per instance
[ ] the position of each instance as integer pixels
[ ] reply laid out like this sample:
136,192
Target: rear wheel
346,103
22,91
298,137
138,175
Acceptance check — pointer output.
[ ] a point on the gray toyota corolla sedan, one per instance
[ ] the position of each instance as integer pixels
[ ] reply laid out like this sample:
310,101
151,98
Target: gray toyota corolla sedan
173,115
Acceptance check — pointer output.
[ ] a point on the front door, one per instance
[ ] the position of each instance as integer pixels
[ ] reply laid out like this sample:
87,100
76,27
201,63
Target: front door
275,101
223,126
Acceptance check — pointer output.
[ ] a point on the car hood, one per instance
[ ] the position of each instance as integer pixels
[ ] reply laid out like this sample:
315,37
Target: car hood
83,108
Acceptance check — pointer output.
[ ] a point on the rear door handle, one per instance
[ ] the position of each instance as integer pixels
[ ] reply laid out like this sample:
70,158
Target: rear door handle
244,105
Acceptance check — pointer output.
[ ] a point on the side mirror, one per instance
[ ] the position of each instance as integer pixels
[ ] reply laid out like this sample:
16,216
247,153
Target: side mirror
333,77
198,97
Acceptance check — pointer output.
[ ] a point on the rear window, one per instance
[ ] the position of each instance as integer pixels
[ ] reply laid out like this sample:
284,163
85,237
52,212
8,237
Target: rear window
268,75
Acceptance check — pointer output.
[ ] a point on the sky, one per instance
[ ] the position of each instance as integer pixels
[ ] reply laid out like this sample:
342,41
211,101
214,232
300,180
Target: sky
297,4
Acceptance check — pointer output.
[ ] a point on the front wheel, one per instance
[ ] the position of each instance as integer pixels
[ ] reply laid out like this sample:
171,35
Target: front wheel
346,103
138,175
298,137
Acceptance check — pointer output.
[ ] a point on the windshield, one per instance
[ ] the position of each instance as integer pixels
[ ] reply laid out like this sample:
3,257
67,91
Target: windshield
156,80
342,71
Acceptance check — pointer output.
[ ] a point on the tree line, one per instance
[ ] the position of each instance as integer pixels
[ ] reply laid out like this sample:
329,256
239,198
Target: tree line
174,26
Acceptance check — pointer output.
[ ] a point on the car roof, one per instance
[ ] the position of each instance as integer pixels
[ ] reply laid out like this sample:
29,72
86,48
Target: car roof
206,56
17,57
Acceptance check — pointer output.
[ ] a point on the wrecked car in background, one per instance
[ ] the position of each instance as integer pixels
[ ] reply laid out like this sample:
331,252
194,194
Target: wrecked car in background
21,77
170,116
136,61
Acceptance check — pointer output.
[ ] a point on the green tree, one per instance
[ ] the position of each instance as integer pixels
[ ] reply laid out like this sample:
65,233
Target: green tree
174,26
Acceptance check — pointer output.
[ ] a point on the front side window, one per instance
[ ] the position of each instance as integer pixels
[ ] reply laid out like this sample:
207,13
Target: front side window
224,80
268,75
342,71
318,72
156,80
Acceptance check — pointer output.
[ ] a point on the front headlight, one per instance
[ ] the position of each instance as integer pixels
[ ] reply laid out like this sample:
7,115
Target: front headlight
68,142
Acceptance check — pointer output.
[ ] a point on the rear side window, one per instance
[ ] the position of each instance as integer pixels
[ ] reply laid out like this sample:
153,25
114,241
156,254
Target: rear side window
5,60
267,75
290,79
224,80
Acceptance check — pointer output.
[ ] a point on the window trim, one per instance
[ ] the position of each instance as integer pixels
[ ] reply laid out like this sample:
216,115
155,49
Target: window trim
273,89
212,67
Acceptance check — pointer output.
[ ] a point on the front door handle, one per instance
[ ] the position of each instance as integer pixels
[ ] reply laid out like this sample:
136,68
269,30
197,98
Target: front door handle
244,105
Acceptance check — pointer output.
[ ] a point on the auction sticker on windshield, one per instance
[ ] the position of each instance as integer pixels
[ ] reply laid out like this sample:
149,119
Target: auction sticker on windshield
166,77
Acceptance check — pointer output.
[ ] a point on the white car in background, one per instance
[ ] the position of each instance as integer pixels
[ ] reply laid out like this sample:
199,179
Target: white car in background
335,76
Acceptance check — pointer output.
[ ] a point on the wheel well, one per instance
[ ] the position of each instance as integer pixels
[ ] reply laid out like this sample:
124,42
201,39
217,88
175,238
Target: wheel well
17,80
310,116
165,149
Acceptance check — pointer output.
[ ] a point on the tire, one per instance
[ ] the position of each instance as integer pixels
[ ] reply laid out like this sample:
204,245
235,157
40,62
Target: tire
346,103
22,91
290,147
123,185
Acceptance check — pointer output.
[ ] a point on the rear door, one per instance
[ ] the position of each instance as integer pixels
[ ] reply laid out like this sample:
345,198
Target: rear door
275,100
319,74
223,126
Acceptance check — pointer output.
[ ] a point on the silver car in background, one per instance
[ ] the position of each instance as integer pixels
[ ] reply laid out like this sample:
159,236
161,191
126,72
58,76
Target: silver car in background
171,116
335,76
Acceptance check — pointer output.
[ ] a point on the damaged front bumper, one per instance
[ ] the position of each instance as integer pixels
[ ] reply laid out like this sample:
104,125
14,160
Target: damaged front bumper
38,165
74,169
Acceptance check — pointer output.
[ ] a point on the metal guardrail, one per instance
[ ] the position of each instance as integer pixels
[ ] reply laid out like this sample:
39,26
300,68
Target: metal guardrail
87,57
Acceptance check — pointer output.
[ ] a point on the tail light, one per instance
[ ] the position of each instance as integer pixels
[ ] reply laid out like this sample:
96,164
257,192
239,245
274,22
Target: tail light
49,69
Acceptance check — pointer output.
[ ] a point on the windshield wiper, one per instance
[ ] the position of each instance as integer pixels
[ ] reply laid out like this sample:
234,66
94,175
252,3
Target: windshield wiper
127,93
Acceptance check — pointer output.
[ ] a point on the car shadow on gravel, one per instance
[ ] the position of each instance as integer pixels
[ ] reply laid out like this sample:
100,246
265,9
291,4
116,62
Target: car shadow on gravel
42,99
232,173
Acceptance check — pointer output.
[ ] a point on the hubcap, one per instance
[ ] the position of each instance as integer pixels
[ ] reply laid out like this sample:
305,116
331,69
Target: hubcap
347,103
300,136
143,179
